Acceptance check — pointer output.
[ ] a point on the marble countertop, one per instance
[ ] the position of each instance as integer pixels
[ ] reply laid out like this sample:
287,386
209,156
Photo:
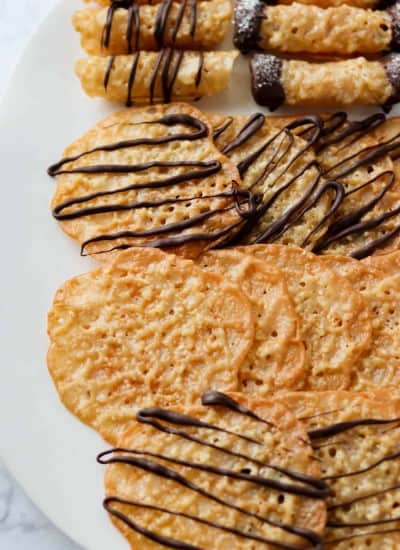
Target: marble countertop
22,525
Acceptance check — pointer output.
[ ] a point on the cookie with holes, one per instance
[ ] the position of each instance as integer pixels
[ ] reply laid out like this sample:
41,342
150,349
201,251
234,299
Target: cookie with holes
358,163
356,441
145,328
379,366
351,153
277,162
277,357
148,177
335,320
234,473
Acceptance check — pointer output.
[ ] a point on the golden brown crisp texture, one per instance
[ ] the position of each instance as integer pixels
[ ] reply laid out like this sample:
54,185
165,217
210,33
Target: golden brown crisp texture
379,366
322,3
340,30
336,83
212,24
199,74
284,174
373,494
284,444
348,160
146,328
277,357
132,220
335,320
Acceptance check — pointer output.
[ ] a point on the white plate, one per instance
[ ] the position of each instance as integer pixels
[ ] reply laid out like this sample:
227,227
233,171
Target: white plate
50,452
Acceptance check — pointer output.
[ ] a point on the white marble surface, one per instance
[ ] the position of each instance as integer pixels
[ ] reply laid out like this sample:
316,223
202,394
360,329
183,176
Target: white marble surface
22,526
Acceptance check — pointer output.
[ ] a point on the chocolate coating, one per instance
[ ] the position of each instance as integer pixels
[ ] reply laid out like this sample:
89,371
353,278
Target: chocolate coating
391,64
247,19
394,13
266,84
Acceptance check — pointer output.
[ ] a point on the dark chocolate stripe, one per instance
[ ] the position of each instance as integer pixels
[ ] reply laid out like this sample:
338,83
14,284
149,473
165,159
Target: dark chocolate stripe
340,427
221,129
167,120
387,458
107,74
172,543
132,78
352,501
359,535
161,22
251,127
148,462
133,24
288,488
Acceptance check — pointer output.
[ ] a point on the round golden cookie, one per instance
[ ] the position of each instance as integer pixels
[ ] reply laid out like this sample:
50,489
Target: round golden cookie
369,184
360,463
380,364
279,165
277,357
209,486
334,319
146,176
146,328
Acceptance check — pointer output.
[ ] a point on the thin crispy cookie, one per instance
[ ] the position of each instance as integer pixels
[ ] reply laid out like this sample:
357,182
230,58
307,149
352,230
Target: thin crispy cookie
277,357
380,364
146,177
335,319
279,165
146,328
357,442
223,507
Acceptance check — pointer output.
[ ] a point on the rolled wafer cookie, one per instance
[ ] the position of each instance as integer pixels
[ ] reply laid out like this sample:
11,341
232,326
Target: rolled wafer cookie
356,81
376,4
340,30
123,28
125,2
154,77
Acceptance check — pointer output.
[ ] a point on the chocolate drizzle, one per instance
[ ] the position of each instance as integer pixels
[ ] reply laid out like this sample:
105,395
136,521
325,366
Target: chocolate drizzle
197,170
162,20
161,420
165,71
339,133
254,204
329,433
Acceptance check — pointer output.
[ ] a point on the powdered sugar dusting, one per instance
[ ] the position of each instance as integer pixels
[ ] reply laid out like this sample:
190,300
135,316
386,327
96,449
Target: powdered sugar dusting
268,69
267,87
247,24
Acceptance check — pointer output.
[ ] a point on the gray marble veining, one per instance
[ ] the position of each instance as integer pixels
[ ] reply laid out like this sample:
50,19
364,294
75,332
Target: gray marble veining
22,526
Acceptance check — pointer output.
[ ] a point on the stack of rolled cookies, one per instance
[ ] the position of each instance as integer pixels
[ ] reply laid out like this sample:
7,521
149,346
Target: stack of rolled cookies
154,52
344,52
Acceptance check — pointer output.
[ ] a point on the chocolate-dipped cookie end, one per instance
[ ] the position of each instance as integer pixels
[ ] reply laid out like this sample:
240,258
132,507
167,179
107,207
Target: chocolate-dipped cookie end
247,20
394,14
391,64
266,73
